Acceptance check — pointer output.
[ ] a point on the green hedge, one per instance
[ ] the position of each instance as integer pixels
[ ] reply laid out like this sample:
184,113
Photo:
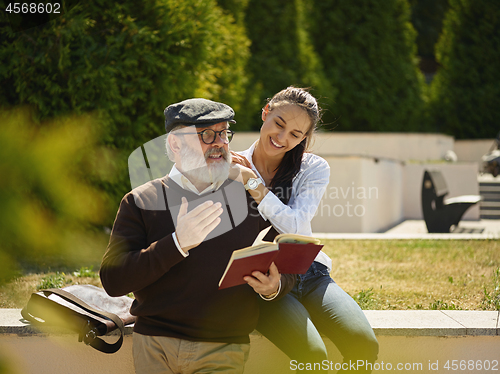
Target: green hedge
465,93
125,62
427,18
237,8
368,50
282,54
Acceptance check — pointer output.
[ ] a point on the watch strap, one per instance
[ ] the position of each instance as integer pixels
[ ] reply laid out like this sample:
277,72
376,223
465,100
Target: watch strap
250,180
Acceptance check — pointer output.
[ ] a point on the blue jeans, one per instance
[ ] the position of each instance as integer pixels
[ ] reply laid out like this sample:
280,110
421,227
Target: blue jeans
317,304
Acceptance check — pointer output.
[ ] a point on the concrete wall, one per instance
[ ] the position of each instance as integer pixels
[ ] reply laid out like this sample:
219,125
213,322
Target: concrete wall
411,354
63,355
399,146
410,340
363,196
472,150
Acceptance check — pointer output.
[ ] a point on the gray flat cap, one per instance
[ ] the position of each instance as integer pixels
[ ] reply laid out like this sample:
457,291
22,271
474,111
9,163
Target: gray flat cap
198,112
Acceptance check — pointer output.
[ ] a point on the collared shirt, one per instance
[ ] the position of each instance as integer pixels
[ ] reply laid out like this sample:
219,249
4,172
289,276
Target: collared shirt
185,183
308,187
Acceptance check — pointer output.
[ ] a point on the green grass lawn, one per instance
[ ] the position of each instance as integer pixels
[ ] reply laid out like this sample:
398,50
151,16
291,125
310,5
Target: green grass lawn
379,274
418,274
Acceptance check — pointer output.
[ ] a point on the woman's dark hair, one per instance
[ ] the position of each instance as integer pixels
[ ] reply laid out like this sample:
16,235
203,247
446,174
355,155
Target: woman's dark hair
281,184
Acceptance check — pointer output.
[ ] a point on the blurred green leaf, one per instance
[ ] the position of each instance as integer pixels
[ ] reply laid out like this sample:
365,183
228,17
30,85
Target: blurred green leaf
49,212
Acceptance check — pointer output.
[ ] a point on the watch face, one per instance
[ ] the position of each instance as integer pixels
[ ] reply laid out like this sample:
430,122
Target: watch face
252,183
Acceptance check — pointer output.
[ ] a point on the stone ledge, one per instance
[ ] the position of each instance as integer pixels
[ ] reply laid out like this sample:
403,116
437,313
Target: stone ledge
12,322
384,323
434,322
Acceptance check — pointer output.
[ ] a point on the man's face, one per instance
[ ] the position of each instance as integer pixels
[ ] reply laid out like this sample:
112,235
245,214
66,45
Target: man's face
208,163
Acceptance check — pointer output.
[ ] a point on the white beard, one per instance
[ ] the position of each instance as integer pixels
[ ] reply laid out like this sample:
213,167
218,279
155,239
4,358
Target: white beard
195,166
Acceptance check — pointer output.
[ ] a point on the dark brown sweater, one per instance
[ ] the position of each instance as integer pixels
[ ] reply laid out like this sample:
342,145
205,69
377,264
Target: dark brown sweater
177,296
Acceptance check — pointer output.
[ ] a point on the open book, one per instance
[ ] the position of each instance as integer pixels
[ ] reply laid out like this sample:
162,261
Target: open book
292,254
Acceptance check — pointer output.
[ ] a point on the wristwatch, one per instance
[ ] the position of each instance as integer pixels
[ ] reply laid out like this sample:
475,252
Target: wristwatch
252,183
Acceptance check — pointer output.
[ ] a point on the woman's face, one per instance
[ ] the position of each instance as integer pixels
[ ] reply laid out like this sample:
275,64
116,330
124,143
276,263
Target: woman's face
284,128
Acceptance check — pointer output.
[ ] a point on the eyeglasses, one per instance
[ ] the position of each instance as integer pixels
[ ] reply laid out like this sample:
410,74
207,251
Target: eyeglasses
208,136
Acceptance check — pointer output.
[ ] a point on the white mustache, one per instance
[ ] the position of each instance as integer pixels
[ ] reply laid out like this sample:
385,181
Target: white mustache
217,151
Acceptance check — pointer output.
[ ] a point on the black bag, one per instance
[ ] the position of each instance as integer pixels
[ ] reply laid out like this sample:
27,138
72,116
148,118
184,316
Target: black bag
85,309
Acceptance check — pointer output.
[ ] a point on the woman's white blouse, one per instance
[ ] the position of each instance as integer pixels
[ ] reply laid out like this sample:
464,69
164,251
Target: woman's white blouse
308,188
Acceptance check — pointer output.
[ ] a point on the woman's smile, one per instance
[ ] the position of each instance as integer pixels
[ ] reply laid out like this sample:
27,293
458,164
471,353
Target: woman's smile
275,144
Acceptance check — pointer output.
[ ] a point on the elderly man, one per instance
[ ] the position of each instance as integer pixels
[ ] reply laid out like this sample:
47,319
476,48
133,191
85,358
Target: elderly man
170,243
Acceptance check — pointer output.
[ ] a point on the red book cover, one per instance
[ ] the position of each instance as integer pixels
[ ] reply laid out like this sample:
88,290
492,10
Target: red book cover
245,266
296,258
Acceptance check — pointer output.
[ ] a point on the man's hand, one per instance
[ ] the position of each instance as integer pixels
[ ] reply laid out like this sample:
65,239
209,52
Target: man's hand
193,227
265,284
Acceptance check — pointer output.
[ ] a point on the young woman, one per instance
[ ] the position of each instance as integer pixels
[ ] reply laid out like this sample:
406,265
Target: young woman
288,183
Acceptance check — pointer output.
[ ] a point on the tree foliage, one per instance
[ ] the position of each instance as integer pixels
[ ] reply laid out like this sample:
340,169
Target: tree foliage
465,94
237,8
427,19
125,62
282,54
368,51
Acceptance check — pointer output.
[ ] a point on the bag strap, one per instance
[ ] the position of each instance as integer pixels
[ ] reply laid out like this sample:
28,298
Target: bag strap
88,335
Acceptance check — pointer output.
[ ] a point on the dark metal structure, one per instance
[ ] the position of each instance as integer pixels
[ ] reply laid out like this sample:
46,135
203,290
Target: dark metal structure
441,214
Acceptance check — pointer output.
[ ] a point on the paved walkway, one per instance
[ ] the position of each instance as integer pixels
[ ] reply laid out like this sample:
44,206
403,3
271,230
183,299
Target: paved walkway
415,229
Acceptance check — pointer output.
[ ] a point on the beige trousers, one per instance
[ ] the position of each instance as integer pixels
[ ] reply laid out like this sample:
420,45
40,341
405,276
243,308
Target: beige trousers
165,355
